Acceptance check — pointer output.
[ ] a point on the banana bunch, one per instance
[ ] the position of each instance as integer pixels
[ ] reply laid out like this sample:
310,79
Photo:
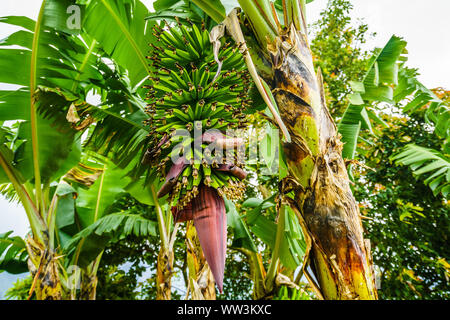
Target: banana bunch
191,91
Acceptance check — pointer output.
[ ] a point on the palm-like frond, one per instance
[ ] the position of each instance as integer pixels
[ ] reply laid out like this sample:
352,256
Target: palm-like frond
114,226
430,163
418,96
118,131
433,165
388,80
123,33
377,86
58,60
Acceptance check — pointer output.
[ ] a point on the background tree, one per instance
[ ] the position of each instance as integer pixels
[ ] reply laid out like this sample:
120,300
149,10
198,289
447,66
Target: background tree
336,43
408,225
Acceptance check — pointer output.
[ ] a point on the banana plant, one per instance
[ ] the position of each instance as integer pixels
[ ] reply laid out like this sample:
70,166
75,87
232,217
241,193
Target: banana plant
119,133
390,81
430,163
273,39
433,165
377,86
55,70
37,150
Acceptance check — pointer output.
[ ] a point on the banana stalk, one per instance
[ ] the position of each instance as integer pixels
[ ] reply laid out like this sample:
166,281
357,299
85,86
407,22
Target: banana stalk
164,265
164,274
88,287
89,280
201,281
257,273
196,94
330,213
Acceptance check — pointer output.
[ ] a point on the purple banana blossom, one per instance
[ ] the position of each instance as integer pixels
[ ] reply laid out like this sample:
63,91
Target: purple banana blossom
207,209
210,220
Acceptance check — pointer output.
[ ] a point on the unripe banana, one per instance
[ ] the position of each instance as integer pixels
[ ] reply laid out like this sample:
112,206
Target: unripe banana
183,95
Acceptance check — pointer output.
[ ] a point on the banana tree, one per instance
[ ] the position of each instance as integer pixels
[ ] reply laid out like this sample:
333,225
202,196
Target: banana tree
56,68
119,132
390,81
51,264
36,150
273,40
433,165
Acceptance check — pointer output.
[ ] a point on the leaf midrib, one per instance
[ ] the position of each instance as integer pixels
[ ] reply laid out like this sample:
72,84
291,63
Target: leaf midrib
127,35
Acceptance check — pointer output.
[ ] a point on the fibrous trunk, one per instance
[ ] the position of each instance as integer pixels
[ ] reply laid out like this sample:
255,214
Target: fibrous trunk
201,280
164,274
45,271
89,280
341,260
88,287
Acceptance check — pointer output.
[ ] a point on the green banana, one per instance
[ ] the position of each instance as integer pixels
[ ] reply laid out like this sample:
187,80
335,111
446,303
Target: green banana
185,94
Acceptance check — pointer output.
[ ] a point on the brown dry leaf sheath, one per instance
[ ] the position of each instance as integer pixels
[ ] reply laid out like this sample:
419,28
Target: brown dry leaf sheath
314,157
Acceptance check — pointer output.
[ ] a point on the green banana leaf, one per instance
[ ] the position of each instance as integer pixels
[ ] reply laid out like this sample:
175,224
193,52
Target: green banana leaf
292,246
377,86
431,164
58,62
93,239
122,31
93,203
13,254
242,237
437,111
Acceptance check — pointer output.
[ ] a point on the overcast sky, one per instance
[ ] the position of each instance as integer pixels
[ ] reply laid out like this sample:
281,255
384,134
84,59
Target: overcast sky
424,24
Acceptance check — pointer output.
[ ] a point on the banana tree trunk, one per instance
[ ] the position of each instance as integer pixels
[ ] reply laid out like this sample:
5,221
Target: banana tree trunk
89,280
88,287
164,273
330,214
257,274
201,280
44,269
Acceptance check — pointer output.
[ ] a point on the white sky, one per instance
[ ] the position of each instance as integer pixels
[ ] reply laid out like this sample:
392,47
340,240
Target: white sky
424,24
